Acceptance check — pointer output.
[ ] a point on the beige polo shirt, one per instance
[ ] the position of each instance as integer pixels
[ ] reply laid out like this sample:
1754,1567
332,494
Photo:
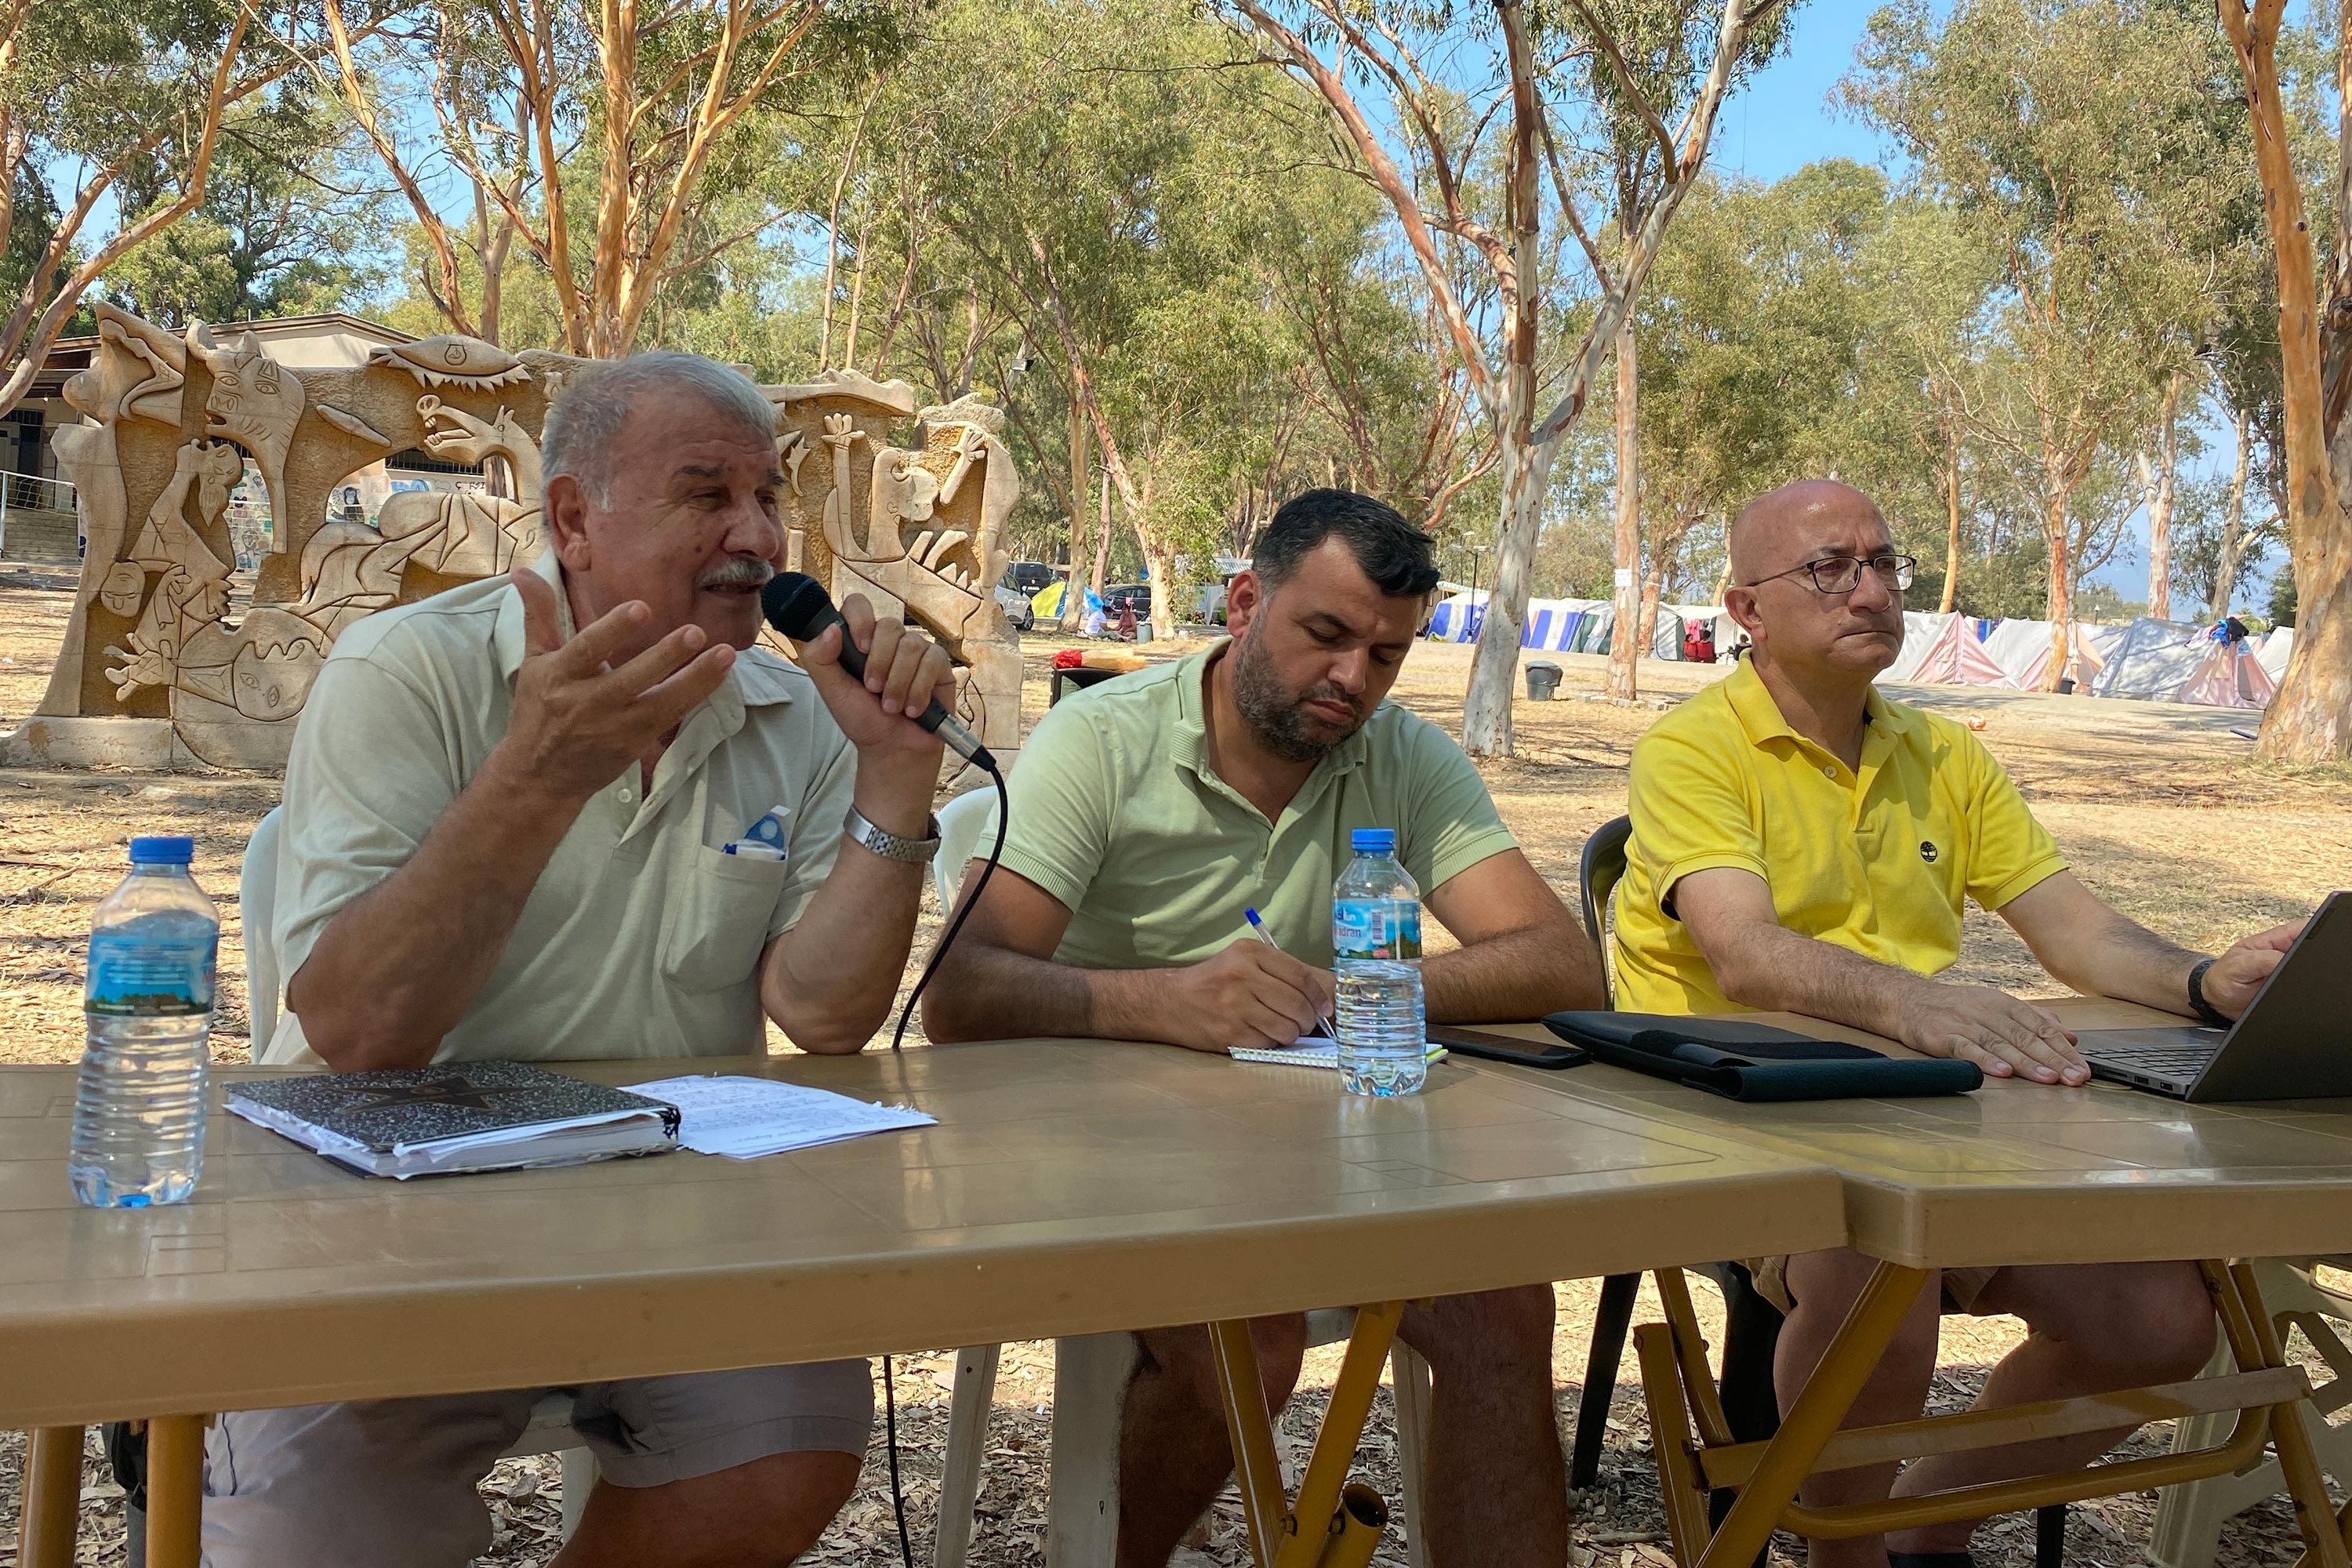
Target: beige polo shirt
642,938
1118,815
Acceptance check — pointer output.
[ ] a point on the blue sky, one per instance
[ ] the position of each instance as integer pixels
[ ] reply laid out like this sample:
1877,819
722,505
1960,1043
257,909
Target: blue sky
1785,120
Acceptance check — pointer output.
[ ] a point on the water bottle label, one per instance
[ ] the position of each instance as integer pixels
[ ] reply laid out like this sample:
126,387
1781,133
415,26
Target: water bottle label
132,974
1375,928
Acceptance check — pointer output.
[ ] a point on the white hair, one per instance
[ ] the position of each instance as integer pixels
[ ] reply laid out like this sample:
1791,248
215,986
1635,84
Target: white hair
583,427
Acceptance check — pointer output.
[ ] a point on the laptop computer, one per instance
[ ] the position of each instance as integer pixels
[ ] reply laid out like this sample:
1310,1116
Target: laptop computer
2294,1041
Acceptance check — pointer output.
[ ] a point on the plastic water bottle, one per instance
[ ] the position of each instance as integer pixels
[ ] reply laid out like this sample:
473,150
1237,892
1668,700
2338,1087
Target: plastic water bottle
1376,953
139,1111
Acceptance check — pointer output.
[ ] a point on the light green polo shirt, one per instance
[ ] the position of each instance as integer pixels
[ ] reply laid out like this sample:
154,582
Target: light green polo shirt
1119,816
641,938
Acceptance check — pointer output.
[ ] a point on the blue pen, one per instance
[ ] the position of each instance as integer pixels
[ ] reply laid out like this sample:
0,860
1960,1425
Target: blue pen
1259,926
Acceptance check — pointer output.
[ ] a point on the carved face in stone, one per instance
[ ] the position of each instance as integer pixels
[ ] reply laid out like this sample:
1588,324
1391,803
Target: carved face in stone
255,402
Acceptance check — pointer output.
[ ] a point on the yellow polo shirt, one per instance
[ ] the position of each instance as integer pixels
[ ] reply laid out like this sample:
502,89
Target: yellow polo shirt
1878,862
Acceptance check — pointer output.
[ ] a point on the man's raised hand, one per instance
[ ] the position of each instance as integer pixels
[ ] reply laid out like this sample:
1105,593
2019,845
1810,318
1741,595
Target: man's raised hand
905,671
579,721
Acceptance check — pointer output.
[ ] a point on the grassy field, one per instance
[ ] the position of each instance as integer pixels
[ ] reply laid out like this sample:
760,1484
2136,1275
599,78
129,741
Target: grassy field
2163,810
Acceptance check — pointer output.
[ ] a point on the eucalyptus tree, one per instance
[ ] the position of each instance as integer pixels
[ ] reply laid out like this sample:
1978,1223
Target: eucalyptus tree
1541,95
2074,139
2311,718
102,105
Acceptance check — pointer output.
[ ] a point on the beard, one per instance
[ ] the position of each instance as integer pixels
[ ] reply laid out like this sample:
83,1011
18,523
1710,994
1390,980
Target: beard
1276,715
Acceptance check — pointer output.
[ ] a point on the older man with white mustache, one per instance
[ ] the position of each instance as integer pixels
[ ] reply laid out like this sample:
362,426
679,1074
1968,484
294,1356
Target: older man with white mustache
510,813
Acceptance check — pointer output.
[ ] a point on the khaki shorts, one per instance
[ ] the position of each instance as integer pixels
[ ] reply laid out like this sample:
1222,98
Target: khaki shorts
1961,1286
389,1483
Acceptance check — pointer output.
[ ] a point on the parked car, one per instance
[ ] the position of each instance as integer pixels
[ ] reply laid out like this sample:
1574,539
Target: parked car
1139,594
1016,607
1030,578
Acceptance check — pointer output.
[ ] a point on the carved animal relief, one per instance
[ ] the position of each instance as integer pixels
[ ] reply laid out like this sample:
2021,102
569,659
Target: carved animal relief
172,422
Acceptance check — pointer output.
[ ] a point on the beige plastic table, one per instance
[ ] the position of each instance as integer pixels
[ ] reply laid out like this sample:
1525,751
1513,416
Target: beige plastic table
1072,1187
2015,1172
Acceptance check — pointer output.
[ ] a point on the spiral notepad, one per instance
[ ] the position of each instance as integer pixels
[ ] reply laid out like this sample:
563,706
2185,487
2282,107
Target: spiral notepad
1311,1051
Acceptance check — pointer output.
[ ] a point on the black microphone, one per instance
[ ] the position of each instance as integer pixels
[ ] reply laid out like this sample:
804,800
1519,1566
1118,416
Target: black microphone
797,605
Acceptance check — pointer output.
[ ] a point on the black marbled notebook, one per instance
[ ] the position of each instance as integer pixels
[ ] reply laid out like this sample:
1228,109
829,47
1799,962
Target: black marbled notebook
456,1116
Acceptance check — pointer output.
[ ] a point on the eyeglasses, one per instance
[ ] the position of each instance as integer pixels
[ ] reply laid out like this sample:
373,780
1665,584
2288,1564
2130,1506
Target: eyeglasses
1842,574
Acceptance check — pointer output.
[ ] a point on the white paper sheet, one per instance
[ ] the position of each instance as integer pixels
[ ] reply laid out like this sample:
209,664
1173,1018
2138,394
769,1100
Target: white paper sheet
744,1118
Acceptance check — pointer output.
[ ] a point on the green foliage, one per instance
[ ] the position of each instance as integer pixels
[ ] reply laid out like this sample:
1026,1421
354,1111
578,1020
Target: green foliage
2283,597
287,225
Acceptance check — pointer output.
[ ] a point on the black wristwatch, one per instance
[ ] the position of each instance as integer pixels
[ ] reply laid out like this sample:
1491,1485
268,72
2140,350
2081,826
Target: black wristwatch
2204,1009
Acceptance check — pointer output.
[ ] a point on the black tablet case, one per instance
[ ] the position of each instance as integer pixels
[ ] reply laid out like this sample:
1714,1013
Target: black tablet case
1741,1060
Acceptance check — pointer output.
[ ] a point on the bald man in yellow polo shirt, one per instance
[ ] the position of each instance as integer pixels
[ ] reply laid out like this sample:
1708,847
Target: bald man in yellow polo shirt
1803,844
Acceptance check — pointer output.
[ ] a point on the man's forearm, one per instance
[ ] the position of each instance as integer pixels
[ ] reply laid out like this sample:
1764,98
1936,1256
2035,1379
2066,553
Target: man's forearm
398,967
2120,958
985,993
1519,975
829,982
1779,971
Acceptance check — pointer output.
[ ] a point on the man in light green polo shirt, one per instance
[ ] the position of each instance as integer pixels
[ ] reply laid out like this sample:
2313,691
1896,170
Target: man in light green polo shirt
1148,813
506,816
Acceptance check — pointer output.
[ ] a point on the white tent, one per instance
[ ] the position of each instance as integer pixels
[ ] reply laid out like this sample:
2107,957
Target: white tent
1943,650
2023,649
2229,676
2276,649
1457,619
2153,660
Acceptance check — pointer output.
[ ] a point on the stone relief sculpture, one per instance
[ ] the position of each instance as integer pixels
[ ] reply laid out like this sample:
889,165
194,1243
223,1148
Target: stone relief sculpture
917,531
156,666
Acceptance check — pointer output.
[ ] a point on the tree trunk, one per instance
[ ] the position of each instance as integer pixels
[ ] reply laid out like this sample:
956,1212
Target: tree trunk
2233,528
1078,486
2310,721
1951,520
1624,648
1102,546
2061,602
2157,479
1494,667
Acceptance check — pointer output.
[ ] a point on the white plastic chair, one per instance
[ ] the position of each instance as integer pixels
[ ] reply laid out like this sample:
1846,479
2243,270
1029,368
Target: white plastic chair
2188,1519
1091,1371
550,1431
964,833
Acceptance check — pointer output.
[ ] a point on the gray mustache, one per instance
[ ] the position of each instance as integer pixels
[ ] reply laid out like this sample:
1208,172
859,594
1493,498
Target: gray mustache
740,572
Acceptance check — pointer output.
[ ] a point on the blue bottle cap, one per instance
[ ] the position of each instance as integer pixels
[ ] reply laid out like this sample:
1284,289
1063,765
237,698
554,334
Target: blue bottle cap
1373,840
162,851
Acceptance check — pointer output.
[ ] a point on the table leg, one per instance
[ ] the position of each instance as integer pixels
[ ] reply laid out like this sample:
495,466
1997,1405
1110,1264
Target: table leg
1331,1524
1820,1409
52,1499
175,1490
2324,1535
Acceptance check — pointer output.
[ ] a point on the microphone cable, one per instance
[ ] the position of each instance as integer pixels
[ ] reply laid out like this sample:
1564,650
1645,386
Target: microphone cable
931,966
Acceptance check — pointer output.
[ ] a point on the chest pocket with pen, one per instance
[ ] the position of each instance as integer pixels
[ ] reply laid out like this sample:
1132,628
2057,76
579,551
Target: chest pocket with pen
715,917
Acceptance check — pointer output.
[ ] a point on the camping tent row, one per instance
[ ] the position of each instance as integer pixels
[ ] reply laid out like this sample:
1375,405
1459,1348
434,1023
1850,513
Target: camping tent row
1580,626
2153,660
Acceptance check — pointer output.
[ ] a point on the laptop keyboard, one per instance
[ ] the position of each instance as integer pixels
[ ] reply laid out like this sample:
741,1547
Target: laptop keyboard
2176,1061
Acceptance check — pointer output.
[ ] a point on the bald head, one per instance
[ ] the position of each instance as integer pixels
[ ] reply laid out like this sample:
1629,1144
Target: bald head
1787,527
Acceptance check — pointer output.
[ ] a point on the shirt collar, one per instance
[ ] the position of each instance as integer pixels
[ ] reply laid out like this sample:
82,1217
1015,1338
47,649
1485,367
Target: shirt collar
758,679
1760,716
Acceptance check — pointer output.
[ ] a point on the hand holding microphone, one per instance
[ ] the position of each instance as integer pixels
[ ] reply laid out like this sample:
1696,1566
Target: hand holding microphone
912,675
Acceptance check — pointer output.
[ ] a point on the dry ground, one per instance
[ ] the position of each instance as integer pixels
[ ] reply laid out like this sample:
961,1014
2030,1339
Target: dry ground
2162,809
